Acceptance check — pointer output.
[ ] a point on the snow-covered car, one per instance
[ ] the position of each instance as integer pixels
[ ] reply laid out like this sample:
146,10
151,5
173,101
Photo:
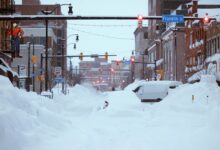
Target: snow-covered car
47,94
154,91
6,70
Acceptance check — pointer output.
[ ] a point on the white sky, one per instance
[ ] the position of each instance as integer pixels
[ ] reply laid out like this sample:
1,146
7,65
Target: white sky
99,39
90,43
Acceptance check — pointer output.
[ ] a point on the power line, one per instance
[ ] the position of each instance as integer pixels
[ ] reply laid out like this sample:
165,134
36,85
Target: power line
103,25
101,35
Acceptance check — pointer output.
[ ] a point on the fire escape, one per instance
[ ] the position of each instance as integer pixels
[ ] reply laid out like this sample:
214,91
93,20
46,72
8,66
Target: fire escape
7,7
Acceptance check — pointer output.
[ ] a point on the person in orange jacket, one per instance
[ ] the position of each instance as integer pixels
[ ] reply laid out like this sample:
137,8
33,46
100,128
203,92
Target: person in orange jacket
16,33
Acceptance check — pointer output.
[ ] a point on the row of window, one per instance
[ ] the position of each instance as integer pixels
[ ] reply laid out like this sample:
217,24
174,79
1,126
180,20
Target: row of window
194,61
36,40
196,35
213,46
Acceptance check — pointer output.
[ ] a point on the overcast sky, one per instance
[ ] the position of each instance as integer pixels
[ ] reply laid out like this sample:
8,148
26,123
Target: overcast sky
99,36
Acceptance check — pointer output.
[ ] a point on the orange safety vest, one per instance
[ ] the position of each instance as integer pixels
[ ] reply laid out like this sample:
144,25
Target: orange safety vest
16,32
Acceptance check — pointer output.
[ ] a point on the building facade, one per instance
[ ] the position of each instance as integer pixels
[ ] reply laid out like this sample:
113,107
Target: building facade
212,63
96,73
141,44
7,7
165,46
35,32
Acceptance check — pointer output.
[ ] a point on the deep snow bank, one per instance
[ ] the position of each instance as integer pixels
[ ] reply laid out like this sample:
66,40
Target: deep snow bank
29,121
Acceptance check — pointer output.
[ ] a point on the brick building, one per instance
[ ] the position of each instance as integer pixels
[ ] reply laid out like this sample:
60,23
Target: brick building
35,32
165,41
212,63
6,7
202,40
96,73
59,27
159,8
141,44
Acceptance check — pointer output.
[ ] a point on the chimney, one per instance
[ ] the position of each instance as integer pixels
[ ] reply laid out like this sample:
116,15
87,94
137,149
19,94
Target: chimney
30,2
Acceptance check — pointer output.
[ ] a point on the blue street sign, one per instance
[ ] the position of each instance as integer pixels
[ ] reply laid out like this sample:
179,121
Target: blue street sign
59,80
126,62
33,74
173,18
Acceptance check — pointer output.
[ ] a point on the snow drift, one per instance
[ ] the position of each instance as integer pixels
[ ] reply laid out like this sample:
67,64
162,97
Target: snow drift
188,118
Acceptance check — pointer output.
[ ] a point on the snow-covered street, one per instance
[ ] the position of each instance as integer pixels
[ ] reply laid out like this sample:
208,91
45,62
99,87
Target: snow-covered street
77,121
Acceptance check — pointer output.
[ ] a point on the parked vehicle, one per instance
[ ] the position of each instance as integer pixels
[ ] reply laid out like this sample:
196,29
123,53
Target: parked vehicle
5,70
154,91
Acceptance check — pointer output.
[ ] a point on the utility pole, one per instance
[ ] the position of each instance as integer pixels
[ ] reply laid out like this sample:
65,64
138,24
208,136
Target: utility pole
63,66
175,51
41,71
46,60
29,65
143,64
155,69
33,67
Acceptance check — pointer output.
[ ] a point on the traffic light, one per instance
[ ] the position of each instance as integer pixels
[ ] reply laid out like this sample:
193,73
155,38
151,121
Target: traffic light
132,60
140,21
106,56
40,77
81,56
117,62
206,18
77,38
140,18
34,59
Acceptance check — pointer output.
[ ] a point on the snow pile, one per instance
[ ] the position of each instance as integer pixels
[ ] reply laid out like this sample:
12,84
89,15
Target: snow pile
81,101
211,79
215,57
23,117
29,121
188,118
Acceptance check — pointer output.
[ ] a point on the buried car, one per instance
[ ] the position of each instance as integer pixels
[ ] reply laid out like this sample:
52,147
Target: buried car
154,91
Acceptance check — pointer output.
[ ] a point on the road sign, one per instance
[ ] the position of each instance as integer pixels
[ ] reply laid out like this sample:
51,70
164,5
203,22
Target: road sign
22,70
58,71
126,62
173,18
59,80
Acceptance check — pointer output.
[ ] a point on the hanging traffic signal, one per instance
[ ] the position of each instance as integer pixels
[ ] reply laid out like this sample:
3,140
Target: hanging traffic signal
77,38
140,21
106,56
81,56
132,59
206,18
34,59
140,18
40,78
117,61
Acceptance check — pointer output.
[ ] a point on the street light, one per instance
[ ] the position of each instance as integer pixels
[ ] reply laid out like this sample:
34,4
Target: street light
77,36
77,39
48,12
74,45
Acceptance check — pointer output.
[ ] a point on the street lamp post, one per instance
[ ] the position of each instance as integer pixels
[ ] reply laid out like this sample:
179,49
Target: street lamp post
77,39
155,69
63,65
33,67
47,12
29,63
